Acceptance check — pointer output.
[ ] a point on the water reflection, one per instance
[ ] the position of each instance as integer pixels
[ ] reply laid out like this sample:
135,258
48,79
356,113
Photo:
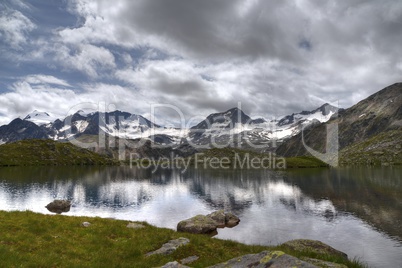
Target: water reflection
355,210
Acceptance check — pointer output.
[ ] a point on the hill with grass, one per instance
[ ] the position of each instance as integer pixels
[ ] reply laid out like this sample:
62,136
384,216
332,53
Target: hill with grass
48,152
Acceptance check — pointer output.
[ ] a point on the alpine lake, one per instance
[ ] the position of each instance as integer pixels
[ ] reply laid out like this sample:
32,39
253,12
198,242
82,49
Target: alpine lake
357,210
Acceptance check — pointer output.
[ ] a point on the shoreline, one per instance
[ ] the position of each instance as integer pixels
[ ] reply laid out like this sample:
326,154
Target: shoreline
56,240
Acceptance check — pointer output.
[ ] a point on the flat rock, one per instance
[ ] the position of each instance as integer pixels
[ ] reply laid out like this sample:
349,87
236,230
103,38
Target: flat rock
272,259
174,264
134,225
199,224
189,259
170,246
323,264
314,246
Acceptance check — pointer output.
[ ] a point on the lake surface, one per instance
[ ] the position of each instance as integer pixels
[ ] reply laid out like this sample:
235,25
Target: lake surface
356,210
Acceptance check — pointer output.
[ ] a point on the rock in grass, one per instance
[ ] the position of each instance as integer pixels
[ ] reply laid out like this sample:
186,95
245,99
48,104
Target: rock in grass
199,224
170,246
174,264
189,259
274,259
134,225
59,206
325,264
314,246
85,224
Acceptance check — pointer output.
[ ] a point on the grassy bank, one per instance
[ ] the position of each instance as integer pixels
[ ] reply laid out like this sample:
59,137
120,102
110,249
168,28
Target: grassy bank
35,240
48,152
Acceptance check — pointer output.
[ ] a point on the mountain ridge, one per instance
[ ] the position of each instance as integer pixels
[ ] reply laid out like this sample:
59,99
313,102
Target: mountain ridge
379,113
223,126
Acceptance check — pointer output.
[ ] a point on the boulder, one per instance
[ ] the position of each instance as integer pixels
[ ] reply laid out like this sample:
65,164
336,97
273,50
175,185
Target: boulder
274,259
199,224
59,206
219,217
314,246
231,219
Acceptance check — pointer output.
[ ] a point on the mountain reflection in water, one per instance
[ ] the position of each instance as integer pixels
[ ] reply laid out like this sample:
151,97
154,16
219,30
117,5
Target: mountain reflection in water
356,210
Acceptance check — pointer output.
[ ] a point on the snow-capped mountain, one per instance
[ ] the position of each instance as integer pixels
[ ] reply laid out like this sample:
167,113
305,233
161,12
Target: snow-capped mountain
322,114
234,127
39,118
230,128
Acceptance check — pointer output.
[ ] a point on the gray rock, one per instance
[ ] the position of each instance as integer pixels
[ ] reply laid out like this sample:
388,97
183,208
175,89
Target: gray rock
231,219
323,264
219,217
134,225
170,246
199,224
174,264
274,259
314,246
85,224
59,206
189,259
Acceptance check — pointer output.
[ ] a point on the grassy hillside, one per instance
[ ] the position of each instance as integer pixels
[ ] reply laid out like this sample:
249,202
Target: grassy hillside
35,240
382,149
48,152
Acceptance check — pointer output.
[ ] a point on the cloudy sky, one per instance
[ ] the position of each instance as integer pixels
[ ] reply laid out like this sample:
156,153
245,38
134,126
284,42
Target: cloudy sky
275,57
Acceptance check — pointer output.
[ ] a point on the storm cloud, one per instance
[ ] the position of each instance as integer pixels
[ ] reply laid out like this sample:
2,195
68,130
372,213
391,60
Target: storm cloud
274,57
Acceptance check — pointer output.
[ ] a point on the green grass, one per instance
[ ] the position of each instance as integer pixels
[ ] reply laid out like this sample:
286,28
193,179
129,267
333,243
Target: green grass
34,240
304,162
382,149
48,152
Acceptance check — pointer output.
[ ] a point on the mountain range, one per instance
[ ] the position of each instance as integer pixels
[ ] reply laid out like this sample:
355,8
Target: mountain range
368,132
230,128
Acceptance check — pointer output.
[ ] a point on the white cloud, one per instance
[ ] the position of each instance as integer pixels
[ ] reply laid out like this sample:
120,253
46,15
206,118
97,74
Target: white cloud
46,79
14,28
87,58
276,57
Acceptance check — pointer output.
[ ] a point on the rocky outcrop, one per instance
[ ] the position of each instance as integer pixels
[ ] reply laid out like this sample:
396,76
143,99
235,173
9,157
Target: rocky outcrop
170,246
264,259
314,246
208,224
59,206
